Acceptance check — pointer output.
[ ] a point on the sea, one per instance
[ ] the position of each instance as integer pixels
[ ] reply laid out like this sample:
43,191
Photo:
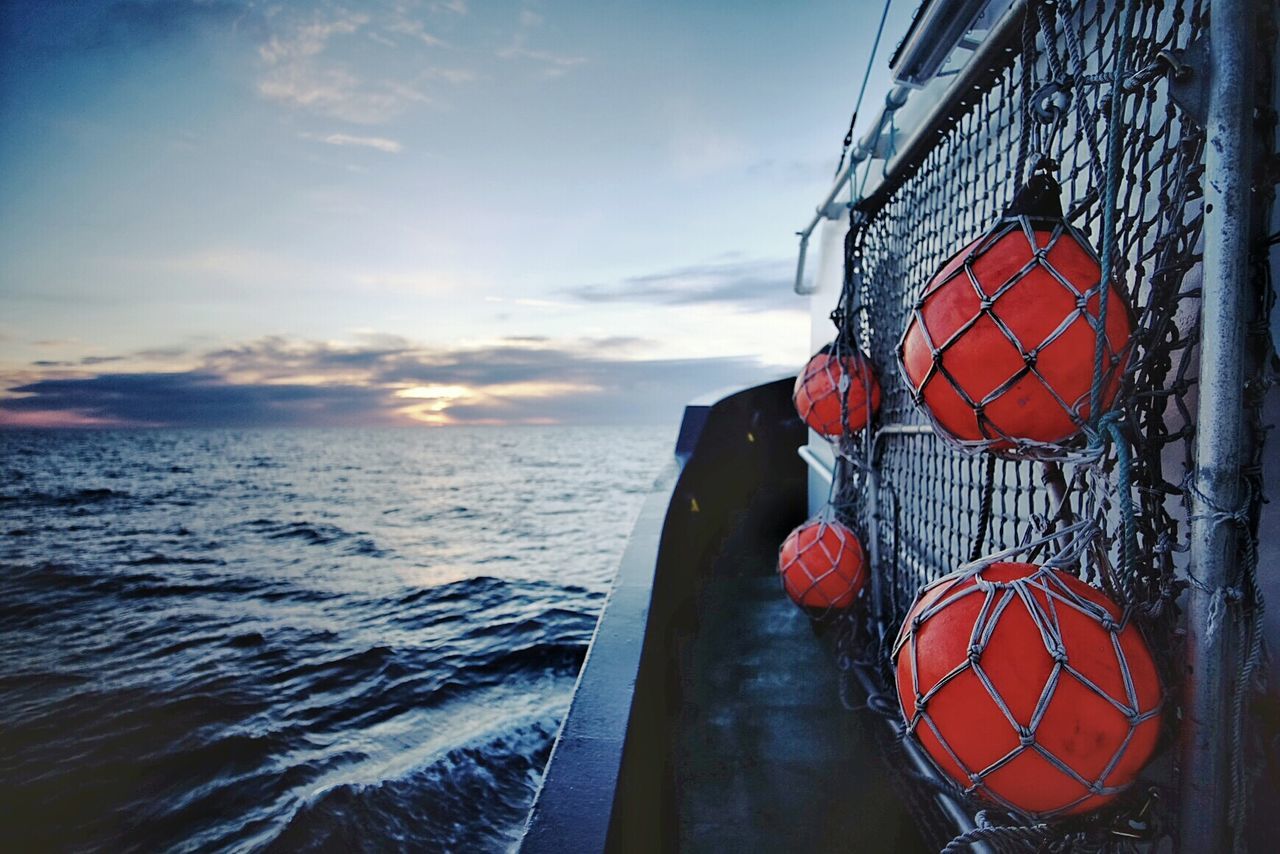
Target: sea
298,640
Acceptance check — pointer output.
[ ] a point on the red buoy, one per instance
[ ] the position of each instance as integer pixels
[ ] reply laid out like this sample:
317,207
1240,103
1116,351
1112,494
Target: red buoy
822,565
1026,687
825,379
999,348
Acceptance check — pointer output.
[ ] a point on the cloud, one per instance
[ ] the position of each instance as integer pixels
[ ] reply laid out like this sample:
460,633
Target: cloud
546,56
194,399
759,285
553,64
417,30
390,146
320,58
457,7
309,39
160,353
337,93
386,381
300,71
530,302
451,75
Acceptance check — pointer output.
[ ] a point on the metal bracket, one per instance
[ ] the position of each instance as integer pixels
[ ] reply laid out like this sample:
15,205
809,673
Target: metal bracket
835,210
885,145
1189,88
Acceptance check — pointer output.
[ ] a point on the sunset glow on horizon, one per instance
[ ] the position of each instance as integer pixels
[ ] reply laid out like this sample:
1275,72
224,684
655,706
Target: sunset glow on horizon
233,213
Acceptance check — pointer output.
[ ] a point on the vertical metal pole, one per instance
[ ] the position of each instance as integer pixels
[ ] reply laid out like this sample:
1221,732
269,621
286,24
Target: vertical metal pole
873,544
1227,227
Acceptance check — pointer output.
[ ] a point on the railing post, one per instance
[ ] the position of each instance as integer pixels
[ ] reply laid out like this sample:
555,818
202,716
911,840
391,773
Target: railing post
1227,228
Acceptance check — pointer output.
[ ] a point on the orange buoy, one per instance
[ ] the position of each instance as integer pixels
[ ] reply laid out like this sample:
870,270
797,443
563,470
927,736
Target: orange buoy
821,384
1026,686
822,565
999,348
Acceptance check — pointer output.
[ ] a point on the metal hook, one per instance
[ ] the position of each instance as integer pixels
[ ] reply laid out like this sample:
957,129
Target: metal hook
1051,101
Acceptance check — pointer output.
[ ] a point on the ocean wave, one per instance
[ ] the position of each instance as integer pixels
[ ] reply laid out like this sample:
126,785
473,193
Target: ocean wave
67,498
416,811
158,559
313,533
54,577
226,640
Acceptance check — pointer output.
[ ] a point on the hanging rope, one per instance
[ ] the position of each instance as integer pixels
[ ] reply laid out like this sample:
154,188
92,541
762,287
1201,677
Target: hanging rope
1026,71
1124,491
984,509
1115,135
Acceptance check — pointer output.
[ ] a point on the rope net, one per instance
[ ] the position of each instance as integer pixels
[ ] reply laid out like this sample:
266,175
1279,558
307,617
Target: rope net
1049,696
833,390
1116,487
997,366
822,566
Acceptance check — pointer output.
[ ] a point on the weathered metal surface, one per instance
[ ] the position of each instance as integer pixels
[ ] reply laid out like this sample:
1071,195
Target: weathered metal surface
1189,87
1217,493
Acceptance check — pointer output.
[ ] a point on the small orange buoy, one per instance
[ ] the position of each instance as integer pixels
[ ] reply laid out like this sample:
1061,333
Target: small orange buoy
1000,345
1026,687
825,379
822,565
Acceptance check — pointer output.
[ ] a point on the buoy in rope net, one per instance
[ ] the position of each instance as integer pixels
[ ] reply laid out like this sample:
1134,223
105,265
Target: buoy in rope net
823,565
1027,688
999,348
825,379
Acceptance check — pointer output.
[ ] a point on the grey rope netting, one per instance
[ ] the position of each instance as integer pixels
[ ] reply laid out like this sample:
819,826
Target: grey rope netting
1117,495
1046,700
822,566
993,345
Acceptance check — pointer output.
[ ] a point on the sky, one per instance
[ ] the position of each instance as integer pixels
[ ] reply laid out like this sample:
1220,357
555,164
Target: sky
237,213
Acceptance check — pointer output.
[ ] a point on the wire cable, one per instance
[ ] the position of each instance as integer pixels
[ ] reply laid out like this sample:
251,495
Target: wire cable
862,90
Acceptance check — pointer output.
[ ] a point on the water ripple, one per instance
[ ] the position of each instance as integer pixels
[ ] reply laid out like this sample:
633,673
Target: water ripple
237,640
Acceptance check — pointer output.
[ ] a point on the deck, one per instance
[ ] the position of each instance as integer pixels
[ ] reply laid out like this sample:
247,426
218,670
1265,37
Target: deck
707,716
767,757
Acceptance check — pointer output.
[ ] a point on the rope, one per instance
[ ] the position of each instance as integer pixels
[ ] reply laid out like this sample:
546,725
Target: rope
1026,66
1072,39
1056,71
1124,492
1033,835
984,509
1114,135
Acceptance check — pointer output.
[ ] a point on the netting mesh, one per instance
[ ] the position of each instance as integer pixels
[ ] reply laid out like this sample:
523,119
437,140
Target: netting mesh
934,508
